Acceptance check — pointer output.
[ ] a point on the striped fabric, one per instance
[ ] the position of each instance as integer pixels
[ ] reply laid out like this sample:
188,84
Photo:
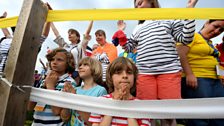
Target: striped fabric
4,49
46,117
117,121
156,44
88,51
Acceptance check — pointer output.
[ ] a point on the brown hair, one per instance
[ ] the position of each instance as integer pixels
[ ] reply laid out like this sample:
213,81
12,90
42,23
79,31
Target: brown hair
121,63
95,67
69,60
155,3
100,31
73,31
210,21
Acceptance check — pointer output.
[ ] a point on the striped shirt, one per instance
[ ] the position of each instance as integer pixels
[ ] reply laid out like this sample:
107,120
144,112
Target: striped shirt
4,50
47,117
117,121
156,44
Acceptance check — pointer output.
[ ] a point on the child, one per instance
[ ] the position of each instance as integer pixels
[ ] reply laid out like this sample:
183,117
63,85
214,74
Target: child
61,63
121,80
90,71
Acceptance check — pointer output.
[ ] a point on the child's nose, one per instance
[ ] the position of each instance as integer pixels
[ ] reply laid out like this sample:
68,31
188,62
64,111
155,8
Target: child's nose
124,74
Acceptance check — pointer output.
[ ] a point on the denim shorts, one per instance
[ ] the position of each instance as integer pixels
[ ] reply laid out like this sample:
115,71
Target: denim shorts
207,88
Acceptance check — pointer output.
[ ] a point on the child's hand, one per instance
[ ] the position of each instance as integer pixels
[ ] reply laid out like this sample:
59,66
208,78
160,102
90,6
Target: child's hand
51,80
69,88
125,92
118,95
122,93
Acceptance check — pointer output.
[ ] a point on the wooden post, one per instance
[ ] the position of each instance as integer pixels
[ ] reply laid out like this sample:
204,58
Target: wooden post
20,65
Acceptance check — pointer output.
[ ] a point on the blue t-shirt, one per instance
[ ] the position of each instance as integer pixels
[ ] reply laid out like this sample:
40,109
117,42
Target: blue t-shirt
95,91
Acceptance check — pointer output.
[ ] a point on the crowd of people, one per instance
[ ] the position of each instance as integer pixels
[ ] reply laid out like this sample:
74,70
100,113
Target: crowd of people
162,59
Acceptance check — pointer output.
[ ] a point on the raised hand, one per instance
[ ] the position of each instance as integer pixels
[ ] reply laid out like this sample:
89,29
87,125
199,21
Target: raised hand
191,3
121,25
4,15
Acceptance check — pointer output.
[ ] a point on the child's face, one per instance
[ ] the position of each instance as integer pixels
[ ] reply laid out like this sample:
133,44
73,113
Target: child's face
84,71
59,63
123,78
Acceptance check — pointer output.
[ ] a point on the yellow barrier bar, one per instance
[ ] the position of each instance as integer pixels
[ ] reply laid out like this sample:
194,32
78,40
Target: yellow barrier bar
8,22
128,14
137,14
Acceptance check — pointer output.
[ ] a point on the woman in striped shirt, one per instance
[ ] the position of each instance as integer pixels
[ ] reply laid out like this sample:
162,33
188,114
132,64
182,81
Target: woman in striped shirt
158,62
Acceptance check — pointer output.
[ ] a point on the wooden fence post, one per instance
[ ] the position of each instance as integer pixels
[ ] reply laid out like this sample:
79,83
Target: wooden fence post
20,65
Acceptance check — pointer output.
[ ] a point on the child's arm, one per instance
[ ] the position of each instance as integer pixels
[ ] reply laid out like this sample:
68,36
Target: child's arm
5,30
50,82
66,113
106,121
31,105
85,117
132,122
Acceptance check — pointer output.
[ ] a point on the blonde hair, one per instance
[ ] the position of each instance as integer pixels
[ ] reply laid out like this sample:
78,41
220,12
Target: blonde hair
95,68
119,64
69,59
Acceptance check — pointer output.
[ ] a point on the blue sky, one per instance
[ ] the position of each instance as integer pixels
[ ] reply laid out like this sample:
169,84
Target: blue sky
13,8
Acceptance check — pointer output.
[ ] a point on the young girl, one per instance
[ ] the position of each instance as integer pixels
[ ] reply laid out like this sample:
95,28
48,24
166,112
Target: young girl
61,63
121,80
90,71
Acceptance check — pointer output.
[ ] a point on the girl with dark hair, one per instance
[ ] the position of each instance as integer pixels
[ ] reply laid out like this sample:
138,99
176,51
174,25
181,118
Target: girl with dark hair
121,80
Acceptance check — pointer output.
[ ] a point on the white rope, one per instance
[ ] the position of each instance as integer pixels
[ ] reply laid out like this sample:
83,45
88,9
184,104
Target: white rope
159,109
